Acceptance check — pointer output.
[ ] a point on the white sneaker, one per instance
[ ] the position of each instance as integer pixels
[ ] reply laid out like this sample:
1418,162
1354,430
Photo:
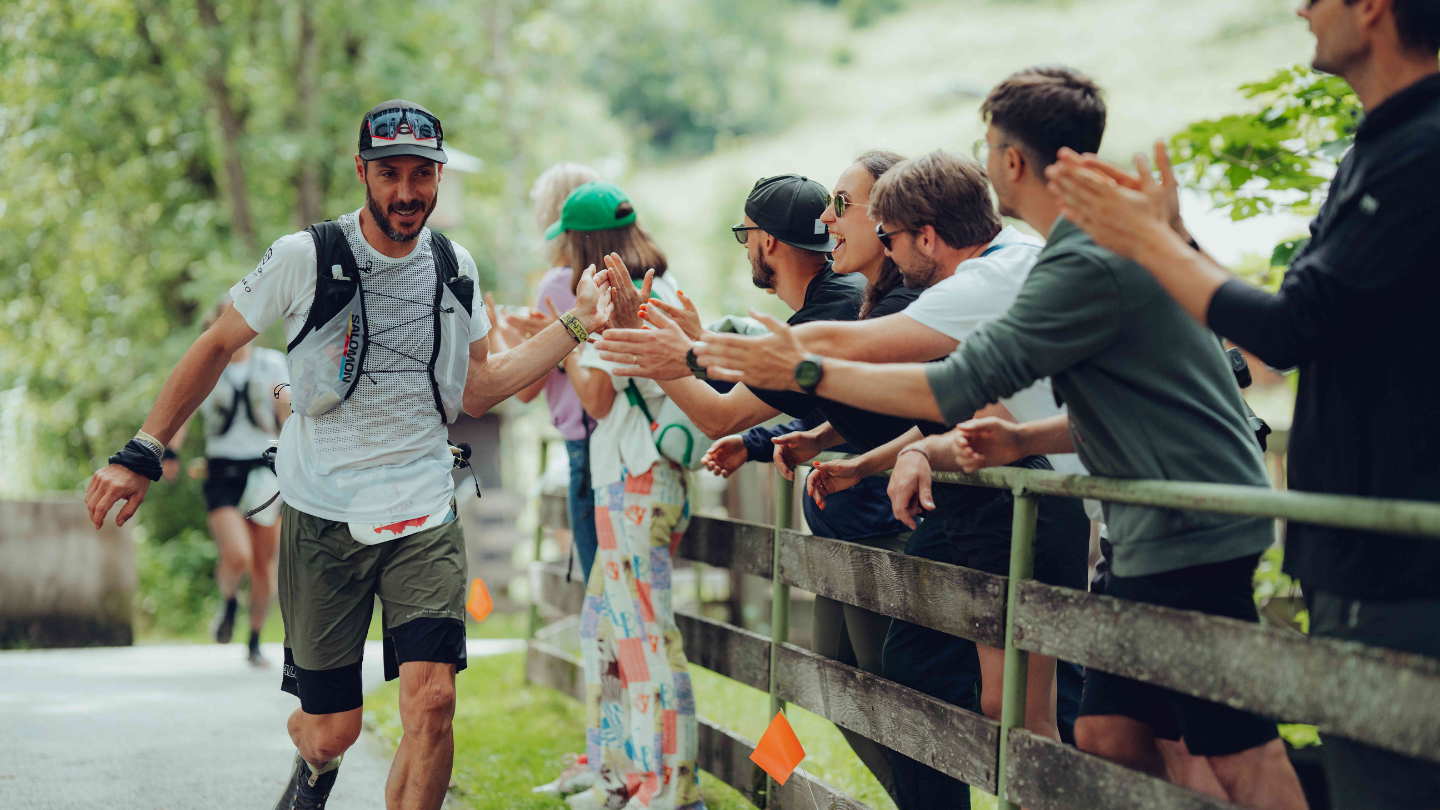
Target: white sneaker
577,776
586,800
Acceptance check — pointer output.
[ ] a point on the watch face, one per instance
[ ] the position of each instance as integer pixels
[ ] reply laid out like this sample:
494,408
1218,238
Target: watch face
807,373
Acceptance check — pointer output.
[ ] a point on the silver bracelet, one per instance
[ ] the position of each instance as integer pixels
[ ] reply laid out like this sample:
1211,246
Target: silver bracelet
913,448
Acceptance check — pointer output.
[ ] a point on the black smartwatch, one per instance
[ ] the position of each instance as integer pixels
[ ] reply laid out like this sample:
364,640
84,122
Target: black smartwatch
693,363
809,372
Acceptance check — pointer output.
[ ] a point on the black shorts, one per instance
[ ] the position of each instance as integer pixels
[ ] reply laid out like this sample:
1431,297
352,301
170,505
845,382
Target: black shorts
978,523
225,480
1209,729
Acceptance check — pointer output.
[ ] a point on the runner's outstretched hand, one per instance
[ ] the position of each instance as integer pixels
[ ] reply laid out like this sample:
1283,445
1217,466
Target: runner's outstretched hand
830,477
115,483
725,456
909,488
593,305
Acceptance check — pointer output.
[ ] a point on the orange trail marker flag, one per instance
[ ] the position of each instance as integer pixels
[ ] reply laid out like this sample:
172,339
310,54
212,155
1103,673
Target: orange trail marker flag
779,750
480,603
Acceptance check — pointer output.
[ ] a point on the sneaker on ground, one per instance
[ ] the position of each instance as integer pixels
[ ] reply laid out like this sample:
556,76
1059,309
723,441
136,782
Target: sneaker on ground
588,800
223,628
257,659
577,776
308,790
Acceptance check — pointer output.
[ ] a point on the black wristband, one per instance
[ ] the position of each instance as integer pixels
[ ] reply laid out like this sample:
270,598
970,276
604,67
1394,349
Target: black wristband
136,457
169,454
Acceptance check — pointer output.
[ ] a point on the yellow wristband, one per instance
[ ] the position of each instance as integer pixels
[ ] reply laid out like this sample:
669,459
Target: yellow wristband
577,329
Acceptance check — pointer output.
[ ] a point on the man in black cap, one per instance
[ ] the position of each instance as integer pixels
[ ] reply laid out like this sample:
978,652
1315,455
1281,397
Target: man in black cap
789,248
387,344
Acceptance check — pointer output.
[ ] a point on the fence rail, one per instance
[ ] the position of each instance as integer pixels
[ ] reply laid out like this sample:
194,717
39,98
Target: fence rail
1381,697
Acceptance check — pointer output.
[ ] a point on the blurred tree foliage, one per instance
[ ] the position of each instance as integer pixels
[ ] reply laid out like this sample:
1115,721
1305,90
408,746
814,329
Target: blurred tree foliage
150,149
1280,157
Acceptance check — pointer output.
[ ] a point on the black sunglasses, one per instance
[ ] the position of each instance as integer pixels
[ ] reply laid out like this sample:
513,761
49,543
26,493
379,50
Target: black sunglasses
885,237
742,233
386,125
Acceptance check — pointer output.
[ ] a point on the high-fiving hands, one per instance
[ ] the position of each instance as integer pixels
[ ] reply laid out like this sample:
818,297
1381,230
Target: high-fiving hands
594,299
657,353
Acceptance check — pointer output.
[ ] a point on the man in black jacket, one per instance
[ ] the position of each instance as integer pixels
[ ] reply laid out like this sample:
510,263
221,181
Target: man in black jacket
1355,315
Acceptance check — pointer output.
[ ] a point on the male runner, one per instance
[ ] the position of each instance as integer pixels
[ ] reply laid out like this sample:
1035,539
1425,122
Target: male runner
378,312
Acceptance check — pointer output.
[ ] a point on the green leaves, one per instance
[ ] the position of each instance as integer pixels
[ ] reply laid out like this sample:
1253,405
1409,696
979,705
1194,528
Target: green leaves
1277,158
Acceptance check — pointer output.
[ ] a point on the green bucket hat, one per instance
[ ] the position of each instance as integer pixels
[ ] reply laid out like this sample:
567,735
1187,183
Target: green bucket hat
592,207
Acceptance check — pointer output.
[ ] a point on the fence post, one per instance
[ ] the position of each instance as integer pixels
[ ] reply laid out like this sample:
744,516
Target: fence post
539,537
1017,661
779,599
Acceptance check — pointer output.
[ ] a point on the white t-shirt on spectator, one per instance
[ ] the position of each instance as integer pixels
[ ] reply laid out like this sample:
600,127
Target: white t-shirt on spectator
982,289
403,476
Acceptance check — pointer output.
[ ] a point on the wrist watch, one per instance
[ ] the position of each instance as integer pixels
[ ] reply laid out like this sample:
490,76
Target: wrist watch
693,363
809,372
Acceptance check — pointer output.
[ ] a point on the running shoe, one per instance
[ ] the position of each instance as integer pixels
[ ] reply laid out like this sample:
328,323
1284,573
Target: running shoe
576,776
254,657
223,628
308,790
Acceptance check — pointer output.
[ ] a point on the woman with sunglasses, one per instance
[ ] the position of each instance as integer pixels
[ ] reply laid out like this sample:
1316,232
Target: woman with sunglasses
863,513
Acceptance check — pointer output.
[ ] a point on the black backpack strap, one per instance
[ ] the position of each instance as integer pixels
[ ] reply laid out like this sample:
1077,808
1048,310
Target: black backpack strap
331,248
447,265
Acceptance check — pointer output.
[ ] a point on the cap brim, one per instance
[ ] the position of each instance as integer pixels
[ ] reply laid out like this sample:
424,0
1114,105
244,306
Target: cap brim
377,152
555,229
828,246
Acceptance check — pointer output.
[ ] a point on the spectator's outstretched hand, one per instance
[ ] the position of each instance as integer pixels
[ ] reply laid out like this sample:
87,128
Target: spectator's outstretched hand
686,316
909,488
830,477
792,450
760,361
1121,215
987,442
725,456
628,301
657,353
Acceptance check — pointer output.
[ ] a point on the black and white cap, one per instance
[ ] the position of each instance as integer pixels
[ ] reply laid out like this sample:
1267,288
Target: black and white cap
789,207
400,127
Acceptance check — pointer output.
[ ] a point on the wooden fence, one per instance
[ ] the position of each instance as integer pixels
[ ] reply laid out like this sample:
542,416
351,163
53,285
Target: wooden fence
1380,697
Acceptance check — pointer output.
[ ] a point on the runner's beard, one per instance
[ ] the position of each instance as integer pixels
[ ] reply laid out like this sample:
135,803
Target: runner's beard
382,218
762,274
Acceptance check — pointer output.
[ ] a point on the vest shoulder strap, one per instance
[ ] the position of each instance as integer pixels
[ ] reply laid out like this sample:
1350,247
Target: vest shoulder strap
447,265
332,289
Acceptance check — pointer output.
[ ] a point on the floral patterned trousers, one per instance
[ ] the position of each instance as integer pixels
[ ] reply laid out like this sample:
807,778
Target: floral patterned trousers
640,735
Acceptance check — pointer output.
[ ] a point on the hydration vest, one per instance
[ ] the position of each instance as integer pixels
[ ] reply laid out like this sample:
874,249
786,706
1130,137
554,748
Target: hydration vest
327,358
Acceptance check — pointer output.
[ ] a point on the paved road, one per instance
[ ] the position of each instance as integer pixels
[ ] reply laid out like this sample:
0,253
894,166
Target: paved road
163,728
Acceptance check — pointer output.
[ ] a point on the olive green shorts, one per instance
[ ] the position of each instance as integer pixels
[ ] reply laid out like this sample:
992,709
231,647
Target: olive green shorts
328,586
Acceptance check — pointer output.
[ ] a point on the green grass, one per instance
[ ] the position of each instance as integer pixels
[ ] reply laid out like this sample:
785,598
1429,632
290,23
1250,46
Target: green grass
510,736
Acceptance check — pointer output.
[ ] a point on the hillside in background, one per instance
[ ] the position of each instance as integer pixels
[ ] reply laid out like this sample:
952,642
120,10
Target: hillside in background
913,82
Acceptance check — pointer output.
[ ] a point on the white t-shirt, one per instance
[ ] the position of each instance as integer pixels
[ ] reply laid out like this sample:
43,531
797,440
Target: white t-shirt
622,440
257,377
403,477
982,289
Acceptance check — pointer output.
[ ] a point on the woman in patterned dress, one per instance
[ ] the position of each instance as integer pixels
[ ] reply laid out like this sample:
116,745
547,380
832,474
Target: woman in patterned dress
641,735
